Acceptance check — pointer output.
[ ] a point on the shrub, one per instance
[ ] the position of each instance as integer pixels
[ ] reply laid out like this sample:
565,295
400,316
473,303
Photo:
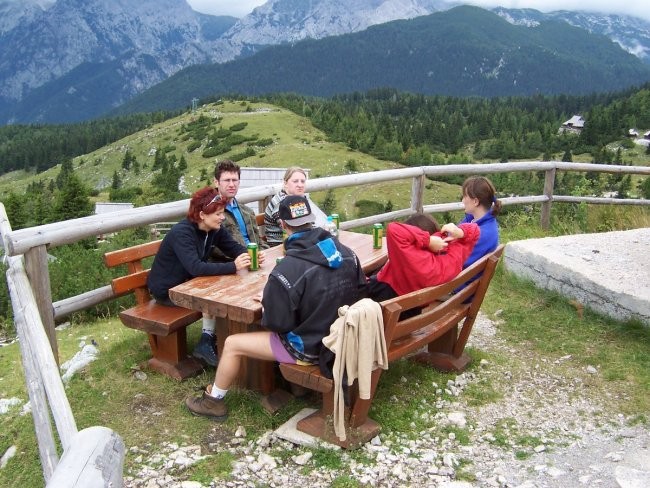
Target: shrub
243,155
366,208
192,146
262,142
238,127
216,150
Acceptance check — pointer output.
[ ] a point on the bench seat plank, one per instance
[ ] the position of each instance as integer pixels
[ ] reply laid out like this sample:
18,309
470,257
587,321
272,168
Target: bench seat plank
164,325
153,318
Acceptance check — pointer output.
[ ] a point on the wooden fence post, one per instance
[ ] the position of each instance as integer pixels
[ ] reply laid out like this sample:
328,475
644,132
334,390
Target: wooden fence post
38,402
417,192
39,277
549,183
24,303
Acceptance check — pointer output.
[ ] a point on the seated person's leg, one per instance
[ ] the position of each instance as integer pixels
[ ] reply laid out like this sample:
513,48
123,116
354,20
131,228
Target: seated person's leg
256,345
205,348
379,291
211,403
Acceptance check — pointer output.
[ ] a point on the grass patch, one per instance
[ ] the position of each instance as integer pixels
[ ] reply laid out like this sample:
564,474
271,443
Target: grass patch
147,413
216,466
547,323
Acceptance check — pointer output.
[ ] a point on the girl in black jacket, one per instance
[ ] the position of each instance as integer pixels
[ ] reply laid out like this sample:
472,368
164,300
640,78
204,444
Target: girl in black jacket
184,254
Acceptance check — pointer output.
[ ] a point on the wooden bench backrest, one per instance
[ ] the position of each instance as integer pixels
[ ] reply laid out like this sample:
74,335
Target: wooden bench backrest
259,220
440,311
136,278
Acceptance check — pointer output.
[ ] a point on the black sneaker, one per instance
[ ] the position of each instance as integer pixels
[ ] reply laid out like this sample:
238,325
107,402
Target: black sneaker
205,350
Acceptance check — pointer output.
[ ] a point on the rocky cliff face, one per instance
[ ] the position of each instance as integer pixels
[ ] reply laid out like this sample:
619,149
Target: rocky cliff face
47,44
631,33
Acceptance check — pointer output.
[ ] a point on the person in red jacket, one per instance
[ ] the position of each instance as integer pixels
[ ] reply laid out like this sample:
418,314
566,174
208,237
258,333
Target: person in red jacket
419,256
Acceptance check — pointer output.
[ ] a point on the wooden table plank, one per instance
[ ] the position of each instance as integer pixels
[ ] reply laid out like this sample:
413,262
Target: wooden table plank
233,296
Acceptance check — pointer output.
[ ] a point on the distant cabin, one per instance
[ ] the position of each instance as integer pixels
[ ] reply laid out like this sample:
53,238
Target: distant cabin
574,125
633,133
646,135
109,207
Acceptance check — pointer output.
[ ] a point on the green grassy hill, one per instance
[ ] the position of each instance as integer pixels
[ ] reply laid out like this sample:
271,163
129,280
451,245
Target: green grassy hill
294,142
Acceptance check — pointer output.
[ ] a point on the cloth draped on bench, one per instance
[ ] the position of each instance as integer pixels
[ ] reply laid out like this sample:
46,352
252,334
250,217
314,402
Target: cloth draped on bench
358,324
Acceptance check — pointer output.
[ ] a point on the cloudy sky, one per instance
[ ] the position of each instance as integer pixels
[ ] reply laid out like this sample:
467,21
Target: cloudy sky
638,8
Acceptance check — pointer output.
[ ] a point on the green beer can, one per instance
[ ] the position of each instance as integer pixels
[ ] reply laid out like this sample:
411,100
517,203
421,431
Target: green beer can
336,219
252,252
377,234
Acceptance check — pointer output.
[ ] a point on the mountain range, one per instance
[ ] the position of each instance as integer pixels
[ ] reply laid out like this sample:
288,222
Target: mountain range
71,60
465,51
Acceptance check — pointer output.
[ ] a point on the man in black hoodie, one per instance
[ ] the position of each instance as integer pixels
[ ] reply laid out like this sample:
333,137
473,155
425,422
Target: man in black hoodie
300,301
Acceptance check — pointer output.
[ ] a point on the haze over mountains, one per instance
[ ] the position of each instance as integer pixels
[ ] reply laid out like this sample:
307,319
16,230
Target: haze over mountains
79,59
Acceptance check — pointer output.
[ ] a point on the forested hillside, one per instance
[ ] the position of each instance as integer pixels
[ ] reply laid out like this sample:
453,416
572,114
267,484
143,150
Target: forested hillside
170,158
466,51
39,147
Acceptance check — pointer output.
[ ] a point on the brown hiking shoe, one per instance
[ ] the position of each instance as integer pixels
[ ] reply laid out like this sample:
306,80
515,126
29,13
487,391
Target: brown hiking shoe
207,406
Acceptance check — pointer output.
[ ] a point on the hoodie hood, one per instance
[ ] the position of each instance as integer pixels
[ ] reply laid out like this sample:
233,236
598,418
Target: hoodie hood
315,246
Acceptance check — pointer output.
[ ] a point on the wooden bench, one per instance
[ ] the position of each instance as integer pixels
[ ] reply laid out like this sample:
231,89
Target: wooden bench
259,220
443,325
164,325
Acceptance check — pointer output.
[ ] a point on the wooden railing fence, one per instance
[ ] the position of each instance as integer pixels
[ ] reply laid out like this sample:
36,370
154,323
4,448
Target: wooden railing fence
35,314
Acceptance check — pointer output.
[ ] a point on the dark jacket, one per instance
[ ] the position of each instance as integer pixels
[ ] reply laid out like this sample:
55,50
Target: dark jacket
231,225
305,290
183,255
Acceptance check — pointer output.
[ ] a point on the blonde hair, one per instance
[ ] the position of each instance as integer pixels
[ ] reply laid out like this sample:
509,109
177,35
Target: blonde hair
293,169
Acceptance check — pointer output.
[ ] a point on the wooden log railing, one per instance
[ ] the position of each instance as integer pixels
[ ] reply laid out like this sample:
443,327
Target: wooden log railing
91,457
35,314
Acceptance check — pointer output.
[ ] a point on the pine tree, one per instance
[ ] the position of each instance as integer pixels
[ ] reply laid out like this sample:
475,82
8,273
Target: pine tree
16,210
66,171
127,160
329,204
644,187
117,181
72,200
182,165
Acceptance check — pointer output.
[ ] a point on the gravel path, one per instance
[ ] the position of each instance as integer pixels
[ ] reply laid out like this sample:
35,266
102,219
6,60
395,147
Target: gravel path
550,429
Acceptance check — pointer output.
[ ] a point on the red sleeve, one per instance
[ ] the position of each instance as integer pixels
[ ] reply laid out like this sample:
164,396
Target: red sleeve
412,266
459,250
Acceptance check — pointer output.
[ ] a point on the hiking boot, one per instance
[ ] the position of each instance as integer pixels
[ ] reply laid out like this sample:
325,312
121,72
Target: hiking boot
205,351
207,406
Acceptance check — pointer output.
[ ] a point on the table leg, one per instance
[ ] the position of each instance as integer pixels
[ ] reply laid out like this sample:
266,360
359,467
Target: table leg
253,374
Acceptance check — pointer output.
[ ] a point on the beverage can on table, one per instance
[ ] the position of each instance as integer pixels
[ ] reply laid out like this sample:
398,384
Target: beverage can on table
377,234
336,219
252,252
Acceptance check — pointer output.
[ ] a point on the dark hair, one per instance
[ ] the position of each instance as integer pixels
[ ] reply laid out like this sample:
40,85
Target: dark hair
424,221
206,200
481,188
300,228
226,166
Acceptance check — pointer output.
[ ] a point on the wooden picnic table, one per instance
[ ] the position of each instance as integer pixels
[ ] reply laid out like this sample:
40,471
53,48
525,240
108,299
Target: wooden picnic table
233,301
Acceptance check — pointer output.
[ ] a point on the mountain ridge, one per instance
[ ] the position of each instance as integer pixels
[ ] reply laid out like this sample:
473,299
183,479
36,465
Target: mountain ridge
73,60
465,51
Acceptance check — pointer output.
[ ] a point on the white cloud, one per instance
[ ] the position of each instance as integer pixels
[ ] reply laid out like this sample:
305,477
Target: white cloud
636,8
236,8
